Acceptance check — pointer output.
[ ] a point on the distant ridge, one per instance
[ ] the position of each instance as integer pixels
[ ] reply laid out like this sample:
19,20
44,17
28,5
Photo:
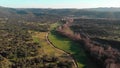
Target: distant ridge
111,13
105,9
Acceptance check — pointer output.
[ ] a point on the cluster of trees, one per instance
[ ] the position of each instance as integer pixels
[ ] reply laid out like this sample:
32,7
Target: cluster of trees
66,30
41,62
104,31
16,42
100,28
105,55
42,27
18,50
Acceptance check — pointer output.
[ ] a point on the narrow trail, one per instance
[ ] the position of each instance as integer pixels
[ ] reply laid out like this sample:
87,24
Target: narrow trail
68,54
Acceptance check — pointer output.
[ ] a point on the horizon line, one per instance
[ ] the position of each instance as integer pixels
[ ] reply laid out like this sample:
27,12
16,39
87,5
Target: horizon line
54,7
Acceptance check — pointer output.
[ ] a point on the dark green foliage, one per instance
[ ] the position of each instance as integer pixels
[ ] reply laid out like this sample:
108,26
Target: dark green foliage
16,42
41,62
18,50
97,27
37,27
103,31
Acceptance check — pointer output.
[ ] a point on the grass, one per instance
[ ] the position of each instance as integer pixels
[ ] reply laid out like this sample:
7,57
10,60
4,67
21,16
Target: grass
45,47
72,47
36,39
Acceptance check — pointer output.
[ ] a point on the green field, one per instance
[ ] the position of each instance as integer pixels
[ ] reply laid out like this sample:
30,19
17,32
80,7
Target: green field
72,47
40,38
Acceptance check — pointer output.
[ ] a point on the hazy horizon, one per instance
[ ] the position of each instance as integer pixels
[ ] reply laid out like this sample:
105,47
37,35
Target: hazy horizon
78,4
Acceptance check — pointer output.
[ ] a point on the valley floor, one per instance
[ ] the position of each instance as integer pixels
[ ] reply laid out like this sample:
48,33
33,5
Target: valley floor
48,48
74,48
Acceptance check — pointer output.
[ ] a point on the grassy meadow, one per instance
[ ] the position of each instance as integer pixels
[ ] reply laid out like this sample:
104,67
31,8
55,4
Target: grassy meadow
46,48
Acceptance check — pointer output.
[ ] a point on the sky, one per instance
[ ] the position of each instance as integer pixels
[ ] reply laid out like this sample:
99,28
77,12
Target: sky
59,3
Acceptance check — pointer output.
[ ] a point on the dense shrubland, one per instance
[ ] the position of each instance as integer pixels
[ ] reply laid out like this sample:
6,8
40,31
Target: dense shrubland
18,49
100,28
103,54
105,31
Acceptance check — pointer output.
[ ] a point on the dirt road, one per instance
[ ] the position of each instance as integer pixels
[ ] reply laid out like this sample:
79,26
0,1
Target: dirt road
68,54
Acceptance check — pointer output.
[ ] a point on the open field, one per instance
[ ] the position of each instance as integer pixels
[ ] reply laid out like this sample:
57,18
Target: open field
46,48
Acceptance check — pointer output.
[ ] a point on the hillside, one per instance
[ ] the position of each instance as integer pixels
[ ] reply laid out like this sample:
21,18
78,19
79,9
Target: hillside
105,55
59,38
104,9
58,13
